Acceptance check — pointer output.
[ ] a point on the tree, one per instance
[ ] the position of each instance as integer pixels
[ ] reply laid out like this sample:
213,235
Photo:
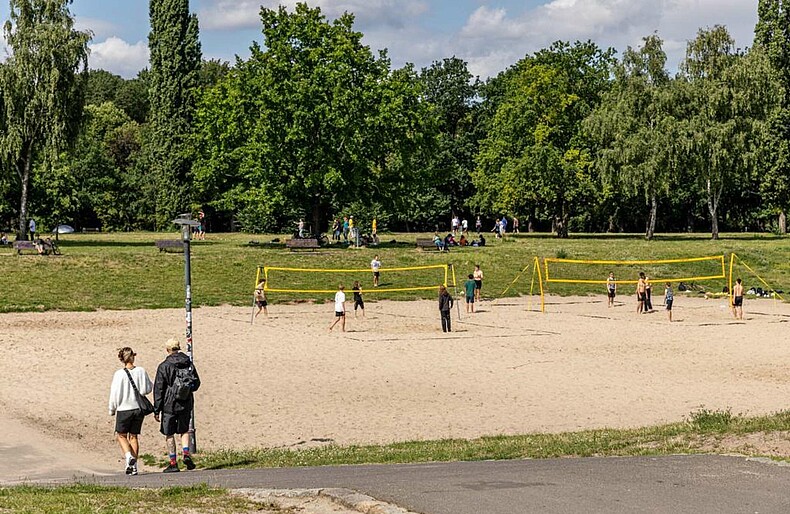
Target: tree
535,157
731,95
172,81
772,37
306,127
451,91
635,127
42,86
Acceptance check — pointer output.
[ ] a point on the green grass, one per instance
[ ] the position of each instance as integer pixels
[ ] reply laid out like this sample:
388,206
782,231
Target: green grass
79,499
702,432
126,271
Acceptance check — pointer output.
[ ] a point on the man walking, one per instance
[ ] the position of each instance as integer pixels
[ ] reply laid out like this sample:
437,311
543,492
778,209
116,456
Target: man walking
176,380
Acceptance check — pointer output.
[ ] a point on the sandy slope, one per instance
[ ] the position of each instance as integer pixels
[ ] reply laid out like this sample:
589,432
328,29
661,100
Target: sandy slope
287,381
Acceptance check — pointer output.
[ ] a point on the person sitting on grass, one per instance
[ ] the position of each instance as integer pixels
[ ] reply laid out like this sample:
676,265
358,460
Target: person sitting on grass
3,239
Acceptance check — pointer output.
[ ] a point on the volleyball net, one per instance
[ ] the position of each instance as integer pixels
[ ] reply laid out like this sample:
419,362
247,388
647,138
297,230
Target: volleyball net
312,281
594,272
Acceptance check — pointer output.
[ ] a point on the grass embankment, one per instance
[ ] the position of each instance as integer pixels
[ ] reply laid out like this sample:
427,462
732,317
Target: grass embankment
79,499
126,271
704,431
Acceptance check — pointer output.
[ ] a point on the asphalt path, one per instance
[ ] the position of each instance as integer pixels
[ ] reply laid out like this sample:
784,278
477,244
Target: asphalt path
675,484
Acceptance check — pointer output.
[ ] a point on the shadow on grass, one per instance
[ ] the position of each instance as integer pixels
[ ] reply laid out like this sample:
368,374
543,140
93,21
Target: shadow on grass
695,236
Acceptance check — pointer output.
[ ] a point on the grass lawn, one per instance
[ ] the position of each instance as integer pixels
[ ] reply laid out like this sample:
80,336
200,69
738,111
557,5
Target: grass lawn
126,271
79,499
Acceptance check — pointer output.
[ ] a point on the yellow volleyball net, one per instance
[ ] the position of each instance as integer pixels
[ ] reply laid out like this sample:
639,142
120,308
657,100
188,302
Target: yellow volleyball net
738,268
316,281
596,272
534,270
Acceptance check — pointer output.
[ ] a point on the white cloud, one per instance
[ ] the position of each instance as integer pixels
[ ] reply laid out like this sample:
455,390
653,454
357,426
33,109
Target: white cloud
495,38
118,56
238,14
99,28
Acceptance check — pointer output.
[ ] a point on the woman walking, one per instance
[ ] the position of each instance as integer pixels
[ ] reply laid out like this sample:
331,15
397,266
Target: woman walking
445,304
126,383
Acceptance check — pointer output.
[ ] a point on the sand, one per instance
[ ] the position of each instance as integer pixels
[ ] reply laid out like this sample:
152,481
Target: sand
286,381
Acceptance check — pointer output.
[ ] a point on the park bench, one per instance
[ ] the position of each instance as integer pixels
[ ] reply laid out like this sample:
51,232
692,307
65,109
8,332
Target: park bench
426,244
173,244
90,229
302,244
50,248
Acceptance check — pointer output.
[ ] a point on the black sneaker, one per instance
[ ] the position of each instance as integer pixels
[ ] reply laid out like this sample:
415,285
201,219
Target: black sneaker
188,462
172,468
129,469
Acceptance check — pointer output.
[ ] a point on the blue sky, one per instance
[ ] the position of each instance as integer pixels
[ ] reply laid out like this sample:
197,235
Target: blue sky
489,35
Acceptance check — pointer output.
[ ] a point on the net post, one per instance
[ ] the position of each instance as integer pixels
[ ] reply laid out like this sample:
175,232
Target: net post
257,281
729,289
540,282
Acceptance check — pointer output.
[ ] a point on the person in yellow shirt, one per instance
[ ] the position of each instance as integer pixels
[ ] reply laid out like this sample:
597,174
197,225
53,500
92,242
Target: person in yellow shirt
373,228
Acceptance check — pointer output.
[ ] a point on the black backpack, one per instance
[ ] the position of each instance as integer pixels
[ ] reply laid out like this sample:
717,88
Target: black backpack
184,383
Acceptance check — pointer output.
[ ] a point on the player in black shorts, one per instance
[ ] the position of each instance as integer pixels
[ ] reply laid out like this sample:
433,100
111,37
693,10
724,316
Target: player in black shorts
358,301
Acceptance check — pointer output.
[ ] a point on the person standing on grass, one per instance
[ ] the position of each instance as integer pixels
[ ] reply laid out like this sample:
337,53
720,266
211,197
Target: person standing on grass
477,275
469,288
503,226
515,225
346,228
669,297
300,227
375,266
445,305
464,227
454,223
479,225
336,230
611,288
32,229
640,293
340,308
737,300
125,407
260,298
358,301
174,387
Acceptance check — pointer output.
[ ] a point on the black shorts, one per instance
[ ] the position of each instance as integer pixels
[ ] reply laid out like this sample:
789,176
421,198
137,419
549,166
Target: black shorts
129,421
669,305
611,293
478,284
177,423
470,299
360,304
738,301
376,274
642,297
261,303
339,314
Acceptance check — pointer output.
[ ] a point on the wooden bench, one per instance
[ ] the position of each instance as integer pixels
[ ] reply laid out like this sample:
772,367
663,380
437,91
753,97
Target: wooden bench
90,229
21,246
173,244
302,244
426,244
49,248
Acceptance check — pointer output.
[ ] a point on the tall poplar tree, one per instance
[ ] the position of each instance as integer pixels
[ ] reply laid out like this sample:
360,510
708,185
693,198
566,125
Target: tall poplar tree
41,88
174,77
772,36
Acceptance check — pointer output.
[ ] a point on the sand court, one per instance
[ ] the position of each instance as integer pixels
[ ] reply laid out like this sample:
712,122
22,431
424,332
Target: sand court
286,381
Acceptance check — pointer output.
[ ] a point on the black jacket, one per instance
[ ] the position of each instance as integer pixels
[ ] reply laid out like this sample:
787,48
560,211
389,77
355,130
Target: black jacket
445,302
165,376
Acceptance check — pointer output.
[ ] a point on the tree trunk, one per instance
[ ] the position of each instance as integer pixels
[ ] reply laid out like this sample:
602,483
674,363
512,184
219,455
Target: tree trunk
651,223
713,208
317,218
23,168
783,223
562,226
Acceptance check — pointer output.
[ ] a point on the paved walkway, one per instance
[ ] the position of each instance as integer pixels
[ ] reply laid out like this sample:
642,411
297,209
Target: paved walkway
677,484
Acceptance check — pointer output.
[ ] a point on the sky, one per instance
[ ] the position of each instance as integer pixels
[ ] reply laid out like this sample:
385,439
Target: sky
489,36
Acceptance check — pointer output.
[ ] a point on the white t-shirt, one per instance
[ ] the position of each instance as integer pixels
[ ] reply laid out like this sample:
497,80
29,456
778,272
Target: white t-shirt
122,396
375,264
465,224
340,299
32,225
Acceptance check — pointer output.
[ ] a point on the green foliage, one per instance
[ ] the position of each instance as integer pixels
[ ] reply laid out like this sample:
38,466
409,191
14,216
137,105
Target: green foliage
707,420
173,80
534,157
42,87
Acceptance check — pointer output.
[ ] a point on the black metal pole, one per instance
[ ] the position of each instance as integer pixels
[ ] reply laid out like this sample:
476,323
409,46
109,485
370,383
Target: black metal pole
188,304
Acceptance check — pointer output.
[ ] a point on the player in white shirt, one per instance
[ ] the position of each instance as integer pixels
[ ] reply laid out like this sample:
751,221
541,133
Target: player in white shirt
340,308
375,265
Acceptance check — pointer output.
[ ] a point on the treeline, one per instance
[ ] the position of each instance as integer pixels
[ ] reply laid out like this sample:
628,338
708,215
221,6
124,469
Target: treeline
314,125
